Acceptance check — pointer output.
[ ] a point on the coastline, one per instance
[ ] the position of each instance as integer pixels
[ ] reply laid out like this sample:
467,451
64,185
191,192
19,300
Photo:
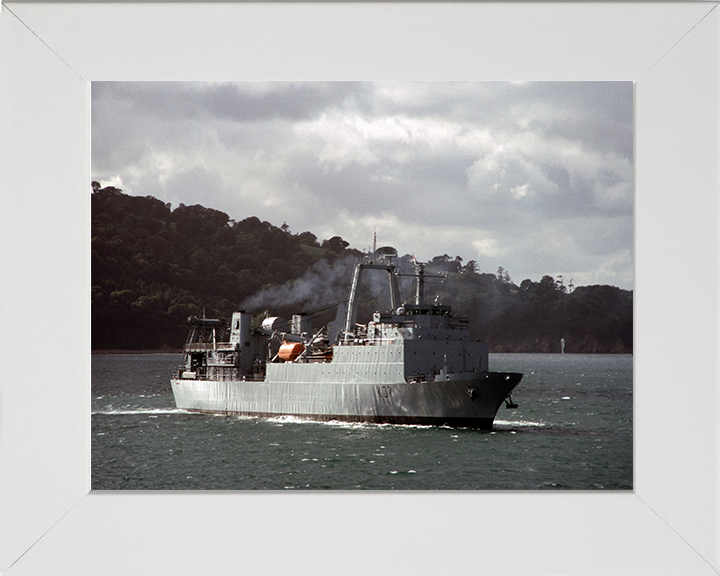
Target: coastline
165,351
493,350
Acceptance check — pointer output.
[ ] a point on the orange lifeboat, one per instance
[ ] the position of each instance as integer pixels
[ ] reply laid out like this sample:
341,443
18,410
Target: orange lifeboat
290,350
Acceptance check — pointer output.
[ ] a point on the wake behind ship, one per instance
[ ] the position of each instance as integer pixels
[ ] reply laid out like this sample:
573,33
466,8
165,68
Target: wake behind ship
413,364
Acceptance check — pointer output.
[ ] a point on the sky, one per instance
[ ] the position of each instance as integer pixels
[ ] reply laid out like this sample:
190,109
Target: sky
536,177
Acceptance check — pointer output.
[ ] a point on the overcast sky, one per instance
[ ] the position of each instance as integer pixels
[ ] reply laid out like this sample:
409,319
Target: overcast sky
534,177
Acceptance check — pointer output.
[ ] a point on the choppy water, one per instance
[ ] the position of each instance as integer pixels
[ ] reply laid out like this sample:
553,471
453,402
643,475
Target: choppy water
572,430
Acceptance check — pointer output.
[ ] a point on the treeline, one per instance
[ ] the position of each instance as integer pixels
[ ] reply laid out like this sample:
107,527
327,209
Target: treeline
536,316
152,267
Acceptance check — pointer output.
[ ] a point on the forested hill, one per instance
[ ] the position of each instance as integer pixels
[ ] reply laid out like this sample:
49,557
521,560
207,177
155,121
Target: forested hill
152,267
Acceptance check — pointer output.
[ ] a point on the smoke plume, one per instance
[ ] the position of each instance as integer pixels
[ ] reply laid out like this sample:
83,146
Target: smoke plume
328,283
324,284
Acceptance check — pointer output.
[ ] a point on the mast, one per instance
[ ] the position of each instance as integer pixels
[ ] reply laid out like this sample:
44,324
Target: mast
352,302
420,285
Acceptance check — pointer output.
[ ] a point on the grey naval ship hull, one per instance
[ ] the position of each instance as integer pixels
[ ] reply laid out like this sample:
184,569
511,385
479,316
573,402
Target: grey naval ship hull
471,401
349,389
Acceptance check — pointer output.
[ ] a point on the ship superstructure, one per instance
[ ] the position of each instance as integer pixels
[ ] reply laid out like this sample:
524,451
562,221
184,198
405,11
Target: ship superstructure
412,364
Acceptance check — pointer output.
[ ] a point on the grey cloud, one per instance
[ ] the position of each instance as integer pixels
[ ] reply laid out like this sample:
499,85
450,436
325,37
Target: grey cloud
183,100
599,111
297,101
196,182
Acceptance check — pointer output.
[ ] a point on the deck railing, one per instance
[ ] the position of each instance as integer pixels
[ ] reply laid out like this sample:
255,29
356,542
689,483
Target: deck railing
205,346
201,375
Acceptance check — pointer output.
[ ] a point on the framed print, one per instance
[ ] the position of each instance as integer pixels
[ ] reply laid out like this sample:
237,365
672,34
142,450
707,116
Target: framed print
49,518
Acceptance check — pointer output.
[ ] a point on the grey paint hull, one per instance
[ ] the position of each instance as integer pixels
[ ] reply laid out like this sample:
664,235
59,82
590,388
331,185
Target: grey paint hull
467,399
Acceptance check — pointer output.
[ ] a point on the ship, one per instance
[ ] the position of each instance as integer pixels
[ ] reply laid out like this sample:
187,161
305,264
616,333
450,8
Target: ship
413,363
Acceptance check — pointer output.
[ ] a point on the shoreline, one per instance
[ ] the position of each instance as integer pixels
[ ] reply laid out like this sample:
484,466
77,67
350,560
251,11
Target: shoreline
165,352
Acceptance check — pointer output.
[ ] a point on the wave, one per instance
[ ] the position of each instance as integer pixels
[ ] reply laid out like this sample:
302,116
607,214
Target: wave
500,425
513,424
299,420
143,411
520,423
286,419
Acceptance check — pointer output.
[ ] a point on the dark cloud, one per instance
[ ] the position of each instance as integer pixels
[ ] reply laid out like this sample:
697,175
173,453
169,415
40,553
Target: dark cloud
293,102
601,112
267,101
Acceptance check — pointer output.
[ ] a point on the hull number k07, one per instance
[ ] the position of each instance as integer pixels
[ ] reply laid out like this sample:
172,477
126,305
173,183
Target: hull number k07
384,391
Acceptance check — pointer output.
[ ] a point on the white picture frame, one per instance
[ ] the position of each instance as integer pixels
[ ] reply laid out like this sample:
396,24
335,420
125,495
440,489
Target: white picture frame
50,522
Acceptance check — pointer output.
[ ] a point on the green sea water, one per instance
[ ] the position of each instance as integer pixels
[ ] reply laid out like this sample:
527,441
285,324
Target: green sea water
572,430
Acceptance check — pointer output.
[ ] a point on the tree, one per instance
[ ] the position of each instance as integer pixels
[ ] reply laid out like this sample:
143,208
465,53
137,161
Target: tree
471,267
335,244
503,276
307,238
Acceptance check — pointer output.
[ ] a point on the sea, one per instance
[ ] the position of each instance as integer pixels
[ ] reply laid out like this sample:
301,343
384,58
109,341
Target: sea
572,430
